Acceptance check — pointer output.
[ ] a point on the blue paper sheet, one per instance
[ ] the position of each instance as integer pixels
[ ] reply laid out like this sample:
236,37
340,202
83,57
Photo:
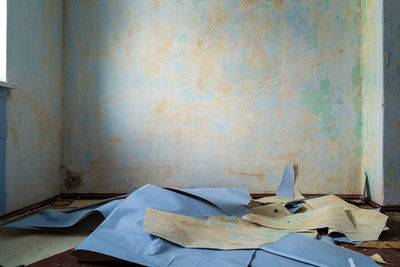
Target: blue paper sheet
311,251
82,220
339,237
286,184
229,200
263,258
326,239
293,207
121,234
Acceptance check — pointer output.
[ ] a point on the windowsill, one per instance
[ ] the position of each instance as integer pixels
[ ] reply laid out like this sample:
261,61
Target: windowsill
7,85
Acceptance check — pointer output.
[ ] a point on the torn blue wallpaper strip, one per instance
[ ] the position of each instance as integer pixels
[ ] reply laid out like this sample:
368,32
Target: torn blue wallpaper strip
82,220
309,250
326,239
263,258
286,184
232,201
339,237
293,207
121,234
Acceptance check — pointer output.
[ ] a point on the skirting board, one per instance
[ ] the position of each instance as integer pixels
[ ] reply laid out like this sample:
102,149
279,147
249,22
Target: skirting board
73,196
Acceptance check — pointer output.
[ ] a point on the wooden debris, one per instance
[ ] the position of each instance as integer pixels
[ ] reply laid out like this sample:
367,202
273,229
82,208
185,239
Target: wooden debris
376,257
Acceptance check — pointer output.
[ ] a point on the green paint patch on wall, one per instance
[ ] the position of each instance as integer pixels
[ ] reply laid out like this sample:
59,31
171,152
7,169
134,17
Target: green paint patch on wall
355,75
188,94
324,4
398,70
320,103
266,4
355,78
192,95
357,130
315,27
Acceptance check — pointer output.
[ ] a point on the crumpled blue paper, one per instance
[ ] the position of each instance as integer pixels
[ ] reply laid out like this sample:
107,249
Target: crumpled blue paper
305,249
121,234
230,200
82,220
286,184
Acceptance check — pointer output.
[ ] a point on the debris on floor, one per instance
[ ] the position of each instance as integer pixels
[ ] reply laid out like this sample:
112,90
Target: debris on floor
73,220
376,257
156,226
380,244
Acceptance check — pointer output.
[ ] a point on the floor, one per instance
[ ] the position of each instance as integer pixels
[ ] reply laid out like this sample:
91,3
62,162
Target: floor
43,249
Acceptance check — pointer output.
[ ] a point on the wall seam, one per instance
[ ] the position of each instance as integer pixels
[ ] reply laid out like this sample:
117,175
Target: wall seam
61,177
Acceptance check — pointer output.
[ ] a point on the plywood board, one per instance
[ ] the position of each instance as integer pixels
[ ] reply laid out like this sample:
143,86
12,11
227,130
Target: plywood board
369,223
23,246
331,217
218,232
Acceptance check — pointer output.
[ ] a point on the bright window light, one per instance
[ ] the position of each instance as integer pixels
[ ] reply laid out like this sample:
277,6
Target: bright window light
3,39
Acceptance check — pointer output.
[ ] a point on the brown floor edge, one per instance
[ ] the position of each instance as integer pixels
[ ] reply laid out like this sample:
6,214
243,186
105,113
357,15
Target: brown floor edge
384,208
73,196
29,208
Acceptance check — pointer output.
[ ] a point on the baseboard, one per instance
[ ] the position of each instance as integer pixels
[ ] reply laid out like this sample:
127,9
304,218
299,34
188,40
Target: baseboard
384,208
342,196
73,196
28,209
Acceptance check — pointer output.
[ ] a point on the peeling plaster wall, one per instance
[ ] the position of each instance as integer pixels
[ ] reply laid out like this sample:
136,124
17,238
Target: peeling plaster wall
212,93
391,157
34,108
373,98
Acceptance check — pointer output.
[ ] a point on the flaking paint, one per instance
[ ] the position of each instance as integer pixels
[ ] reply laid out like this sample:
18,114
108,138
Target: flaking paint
372,95
212,93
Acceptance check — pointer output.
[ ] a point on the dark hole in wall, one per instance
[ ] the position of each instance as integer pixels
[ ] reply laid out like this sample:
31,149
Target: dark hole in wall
72,180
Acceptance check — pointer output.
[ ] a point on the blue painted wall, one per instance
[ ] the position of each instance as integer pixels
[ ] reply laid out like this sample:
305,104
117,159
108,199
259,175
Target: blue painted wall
3,138
201,93
34,108
213,93
391,158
